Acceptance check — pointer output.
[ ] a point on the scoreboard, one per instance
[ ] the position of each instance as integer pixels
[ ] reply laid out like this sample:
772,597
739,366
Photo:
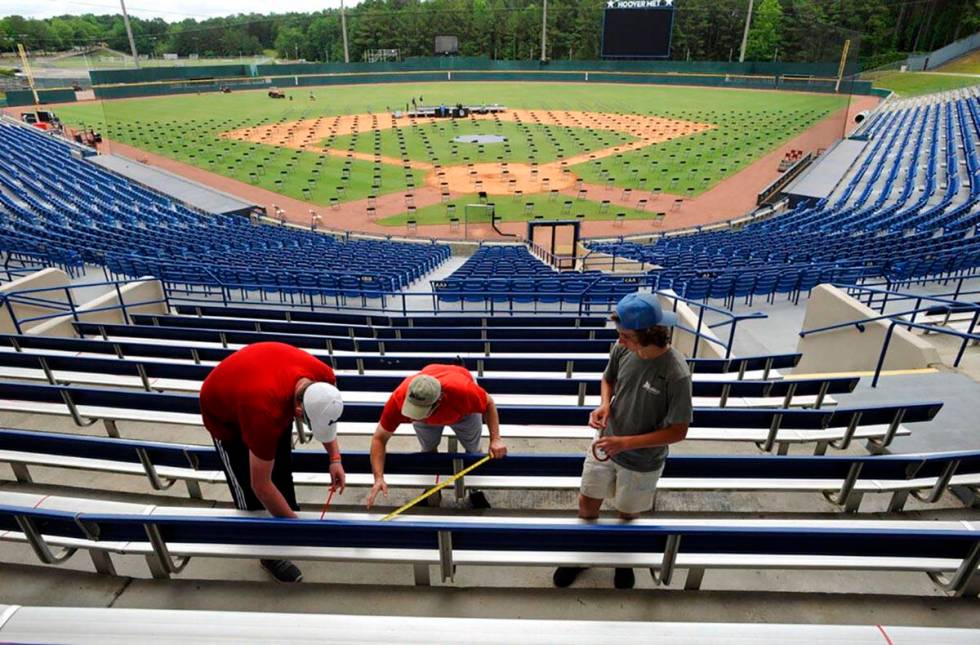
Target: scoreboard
633,29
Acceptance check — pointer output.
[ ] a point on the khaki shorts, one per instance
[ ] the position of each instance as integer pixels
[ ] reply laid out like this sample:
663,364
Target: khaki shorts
468,430
630,491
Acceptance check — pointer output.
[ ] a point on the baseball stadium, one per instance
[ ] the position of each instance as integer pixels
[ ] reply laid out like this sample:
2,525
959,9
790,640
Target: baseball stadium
706,333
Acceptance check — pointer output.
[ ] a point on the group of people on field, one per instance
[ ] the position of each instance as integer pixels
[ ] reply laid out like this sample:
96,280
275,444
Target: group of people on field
250,400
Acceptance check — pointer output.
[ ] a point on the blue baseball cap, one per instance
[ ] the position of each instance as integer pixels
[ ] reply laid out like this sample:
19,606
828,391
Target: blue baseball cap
642,311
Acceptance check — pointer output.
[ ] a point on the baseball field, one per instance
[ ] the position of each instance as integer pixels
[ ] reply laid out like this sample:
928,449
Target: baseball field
595,151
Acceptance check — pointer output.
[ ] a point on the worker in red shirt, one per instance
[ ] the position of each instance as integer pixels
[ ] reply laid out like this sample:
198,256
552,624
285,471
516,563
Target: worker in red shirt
438,396
248,403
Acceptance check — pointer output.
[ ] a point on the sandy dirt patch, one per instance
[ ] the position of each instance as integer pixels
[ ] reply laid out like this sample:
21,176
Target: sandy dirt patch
505,178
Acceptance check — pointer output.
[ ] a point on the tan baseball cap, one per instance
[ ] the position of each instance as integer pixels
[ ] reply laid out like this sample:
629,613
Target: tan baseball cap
423,394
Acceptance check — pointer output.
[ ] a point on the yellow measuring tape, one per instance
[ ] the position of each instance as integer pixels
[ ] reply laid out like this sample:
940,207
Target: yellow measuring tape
438,487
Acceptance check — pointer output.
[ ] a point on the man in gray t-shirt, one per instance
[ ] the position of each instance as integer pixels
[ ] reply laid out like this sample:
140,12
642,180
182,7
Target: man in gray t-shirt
646,406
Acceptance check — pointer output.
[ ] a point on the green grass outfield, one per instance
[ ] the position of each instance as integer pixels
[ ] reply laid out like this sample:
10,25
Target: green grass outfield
508,209
748,124
969,64
919,83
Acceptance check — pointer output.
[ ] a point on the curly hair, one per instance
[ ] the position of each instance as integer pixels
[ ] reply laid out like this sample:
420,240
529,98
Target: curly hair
659,335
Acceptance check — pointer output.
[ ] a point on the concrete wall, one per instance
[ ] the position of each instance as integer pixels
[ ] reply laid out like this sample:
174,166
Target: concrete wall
848,349
684,340
134,292
44,278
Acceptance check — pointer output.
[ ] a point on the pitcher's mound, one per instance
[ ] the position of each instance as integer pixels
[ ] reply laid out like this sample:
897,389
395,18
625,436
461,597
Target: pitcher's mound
502,178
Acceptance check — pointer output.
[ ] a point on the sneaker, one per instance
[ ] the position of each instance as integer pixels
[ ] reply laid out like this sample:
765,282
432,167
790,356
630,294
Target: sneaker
478,500
283,570
565,576
624,578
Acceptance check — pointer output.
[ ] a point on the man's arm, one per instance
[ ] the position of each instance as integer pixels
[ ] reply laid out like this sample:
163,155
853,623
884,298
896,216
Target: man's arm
492,419
679,407
338,478
260,472
599,418
662,437
379,446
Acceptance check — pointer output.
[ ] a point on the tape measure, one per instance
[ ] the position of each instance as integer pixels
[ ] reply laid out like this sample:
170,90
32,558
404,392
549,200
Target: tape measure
438,487
599,453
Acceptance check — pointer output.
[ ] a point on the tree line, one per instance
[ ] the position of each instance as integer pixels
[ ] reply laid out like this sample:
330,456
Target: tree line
783,30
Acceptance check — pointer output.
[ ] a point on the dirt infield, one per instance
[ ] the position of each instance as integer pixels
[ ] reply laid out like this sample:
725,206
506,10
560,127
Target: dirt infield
492,178
729,198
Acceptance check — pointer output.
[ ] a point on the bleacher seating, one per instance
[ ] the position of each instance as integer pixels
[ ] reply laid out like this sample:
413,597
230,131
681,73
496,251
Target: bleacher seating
769,428
909,209
112,624
70,211
187,377
57,527
512,274
901,215
843,480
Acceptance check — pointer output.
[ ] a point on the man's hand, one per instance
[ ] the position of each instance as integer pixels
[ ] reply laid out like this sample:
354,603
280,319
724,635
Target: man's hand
497,449
599,417
338,478
379,487
612,446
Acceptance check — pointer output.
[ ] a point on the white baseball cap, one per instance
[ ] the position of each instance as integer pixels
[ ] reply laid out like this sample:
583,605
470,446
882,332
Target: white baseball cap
322,407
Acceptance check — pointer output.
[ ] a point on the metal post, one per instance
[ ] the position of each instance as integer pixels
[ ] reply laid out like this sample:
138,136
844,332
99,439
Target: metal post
881,357
544,31
697,332
129,33
745,34
343,29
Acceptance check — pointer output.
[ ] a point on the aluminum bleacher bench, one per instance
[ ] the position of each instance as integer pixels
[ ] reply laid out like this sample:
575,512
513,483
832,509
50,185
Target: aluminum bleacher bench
767,427
298,315
742,368
187,377
843,480
110,625
376,333
341,345
57,527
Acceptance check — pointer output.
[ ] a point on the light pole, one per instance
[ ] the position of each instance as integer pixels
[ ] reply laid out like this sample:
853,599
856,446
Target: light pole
343,30
544,30
129,32
745,34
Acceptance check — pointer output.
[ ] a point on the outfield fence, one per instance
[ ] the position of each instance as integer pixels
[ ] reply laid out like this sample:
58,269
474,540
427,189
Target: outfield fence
128,83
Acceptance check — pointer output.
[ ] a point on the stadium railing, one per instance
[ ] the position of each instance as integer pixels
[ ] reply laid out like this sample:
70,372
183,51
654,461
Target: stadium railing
906,319
187,377
842,480
56,528
60,301
741,368
768,428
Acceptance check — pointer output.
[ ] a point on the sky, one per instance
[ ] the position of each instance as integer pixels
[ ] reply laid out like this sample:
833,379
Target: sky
169,10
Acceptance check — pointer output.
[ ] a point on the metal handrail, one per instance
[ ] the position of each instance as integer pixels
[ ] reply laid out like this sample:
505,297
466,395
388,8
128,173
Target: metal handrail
910,324
967,337
969,306
68,306
893,295
585,303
